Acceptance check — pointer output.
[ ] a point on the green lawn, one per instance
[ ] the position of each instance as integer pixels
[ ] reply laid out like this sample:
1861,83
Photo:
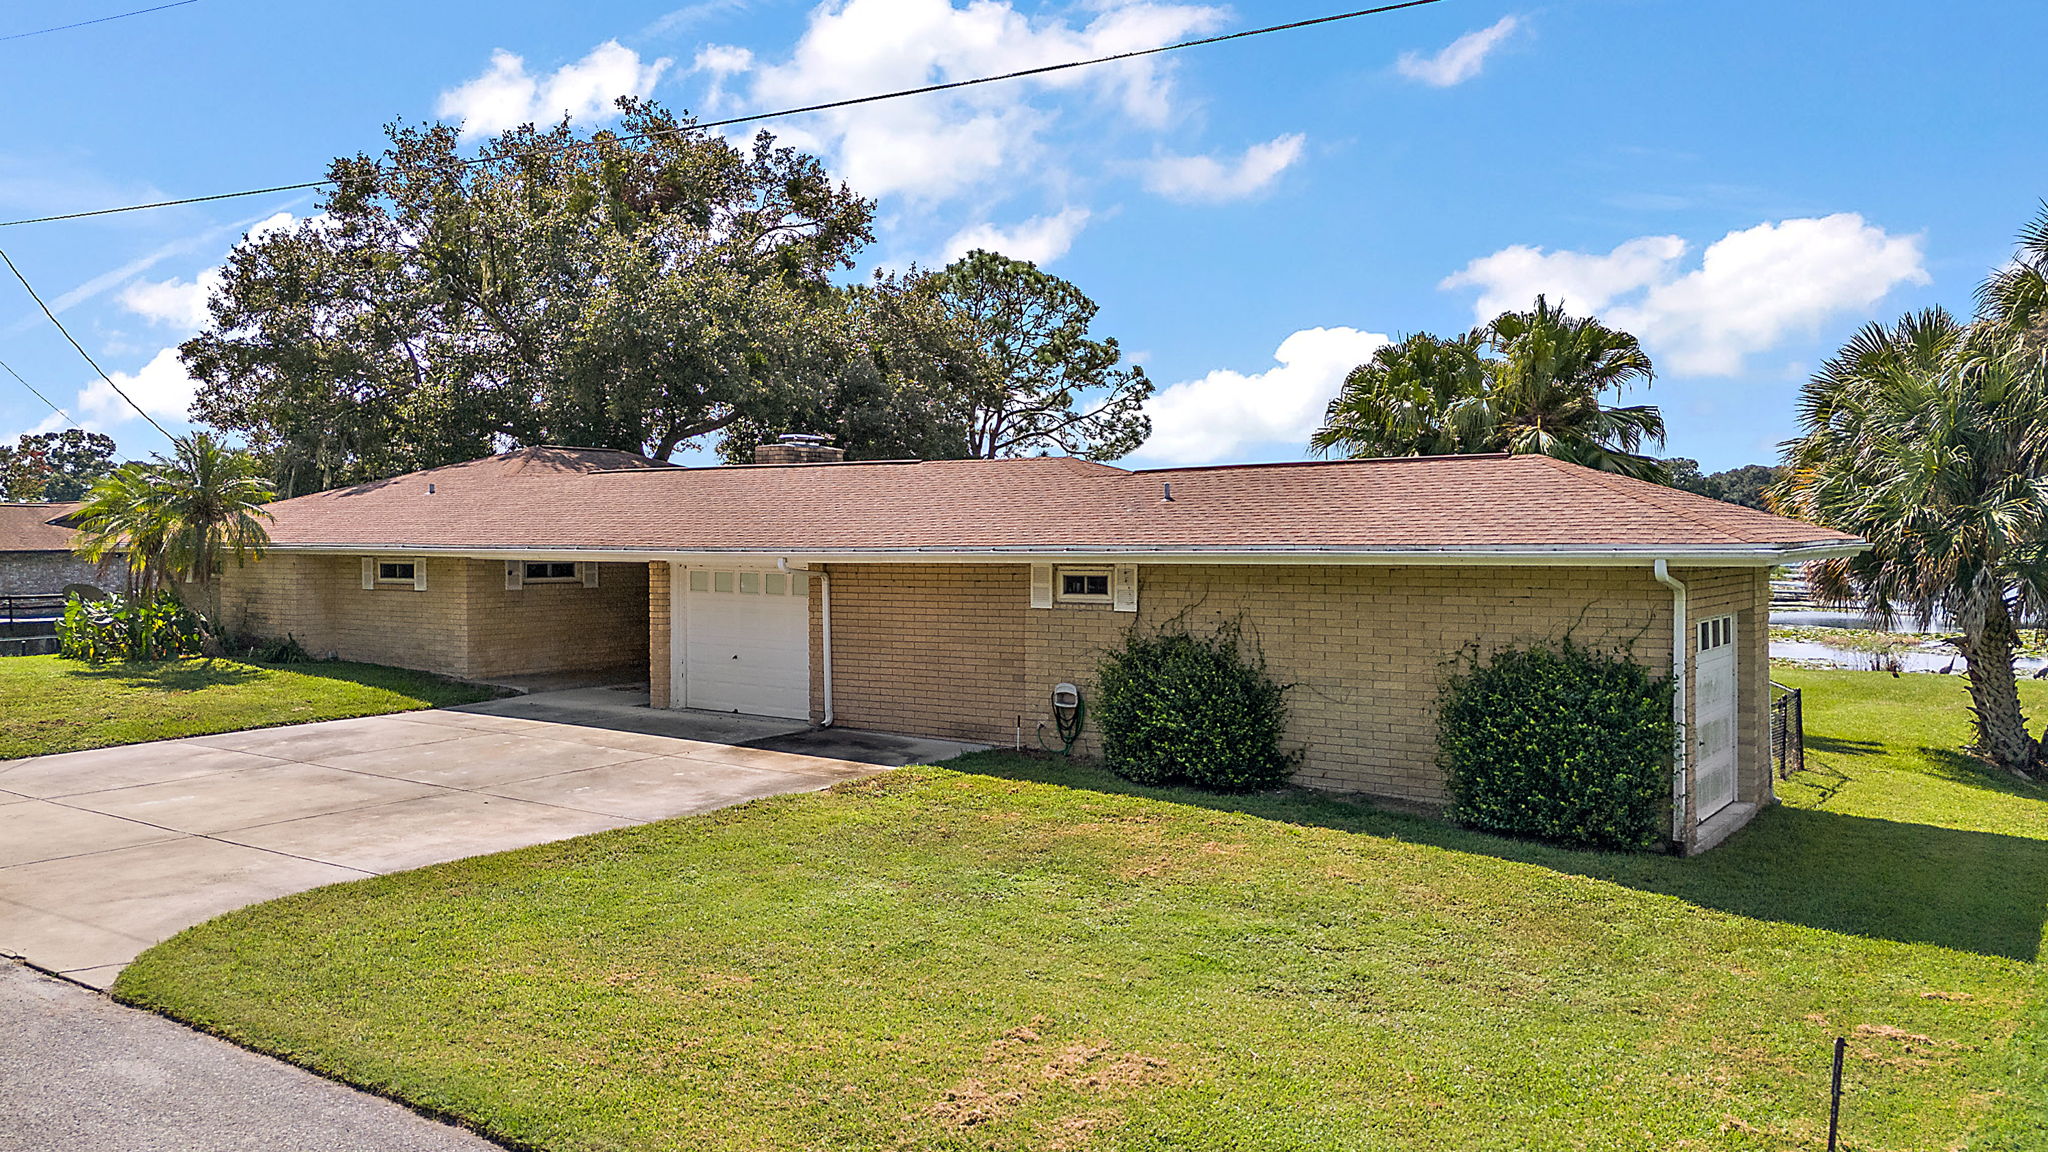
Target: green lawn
1024,954
49,704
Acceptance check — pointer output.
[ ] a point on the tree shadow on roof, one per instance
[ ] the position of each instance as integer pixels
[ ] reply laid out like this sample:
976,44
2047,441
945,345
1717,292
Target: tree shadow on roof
1977,892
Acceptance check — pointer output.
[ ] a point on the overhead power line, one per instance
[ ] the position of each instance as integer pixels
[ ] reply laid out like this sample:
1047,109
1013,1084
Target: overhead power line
824,107
38,395
81,350
95,20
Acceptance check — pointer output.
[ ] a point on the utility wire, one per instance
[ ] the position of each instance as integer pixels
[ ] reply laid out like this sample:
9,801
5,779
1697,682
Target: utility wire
40,396
81,349
95,20
759,116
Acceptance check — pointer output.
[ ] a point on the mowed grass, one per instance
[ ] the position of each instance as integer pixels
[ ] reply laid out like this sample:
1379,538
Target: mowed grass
49,704
1020,953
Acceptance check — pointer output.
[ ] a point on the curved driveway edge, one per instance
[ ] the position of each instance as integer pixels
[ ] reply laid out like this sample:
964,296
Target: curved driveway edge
103,853
84,1074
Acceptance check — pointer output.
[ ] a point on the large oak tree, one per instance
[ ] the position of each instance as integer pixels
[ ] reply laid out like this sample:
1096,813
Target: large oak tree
637,289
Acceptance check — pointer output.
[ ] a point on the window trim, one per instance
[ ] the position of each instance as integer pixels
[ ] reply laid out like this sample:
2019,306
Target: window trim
526,575
408,580
1060,572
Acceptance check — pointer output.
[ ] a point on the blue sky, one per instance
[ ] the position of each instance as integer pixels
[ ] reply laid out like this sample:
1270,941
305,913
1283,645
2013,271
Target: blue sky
1741,183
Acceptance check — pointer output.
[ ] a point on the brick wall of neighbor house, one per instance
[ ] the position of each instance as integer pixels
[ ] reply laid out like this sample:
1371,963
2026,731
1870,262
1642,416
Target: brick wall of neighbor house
958,652
660,609
465,623
47,573
549,627
1746,594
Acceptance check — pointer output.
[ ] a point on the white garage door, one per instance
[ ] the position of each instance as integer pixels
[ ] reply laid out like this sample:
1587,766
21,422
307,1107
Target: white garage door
742,639
1714,715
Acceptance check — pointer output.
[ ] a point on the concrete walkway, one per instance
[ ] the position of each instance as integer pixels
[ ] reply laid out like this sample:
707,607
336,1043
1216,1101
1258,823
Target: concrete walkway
83,1074
103,853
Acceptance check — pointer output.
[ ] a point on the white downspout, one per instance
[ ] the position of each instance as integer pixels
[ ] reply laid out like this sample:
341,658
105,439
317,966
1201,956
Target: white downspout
824,628
1681,650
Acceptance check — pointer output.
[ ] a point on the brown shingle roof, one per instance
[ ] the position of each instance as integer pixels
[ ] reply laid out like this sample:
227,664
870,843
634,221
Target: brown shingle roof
560,499
28,528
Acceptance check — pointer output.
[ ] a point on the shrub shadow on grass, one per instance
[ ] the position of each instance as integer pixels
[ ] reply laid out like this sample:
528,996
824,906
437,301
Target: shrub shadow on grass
188,675
1958,767
1910,883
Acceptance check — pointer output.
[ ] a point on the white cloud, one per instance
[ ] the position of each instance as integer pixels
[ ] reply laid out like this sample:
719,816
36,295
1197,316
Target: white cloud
1040,240
1753,288
506,95
1462,59
1205,178
181,304
162,387
937,146
721,62
1220,415
173,303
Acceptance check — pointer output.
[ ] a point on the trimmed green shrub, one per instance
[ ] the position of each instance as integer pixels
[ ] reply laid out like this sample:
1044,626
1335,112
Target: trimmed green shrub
1560,744
1176,708
156,627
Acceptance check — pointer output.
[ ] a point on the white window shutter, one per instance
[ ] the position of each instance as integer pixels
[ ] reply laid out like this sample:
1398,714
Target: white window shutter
1124,588
515,575
1041,585
589,571
369,573
419,574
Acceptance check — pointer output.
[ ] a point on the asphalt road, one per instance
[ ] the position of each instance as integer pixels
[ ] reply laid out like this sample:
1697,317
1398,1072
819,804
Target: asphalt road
80,1073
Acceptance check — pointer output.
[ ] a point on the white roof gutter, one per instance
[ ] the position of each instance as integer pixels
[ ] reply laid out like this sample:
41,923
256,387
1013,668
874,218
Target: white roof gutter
1720,555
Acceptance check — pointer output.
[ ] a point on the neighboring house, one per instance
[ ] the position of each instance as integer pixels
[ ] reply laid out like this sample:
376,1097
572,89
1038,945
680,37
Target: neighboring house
36,557
948,598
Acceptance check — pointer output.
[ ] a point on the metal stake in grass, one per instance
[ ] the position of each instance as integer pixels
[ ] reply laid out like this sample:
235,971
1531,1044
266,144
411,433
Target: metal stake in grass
1835,1095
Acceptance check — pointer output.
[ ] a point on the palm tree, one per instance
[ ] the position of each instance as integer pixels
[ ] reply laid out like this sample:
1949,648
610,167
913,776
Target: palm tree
1547,385
1929,439
1530,382
2016,297
1424,396
180,519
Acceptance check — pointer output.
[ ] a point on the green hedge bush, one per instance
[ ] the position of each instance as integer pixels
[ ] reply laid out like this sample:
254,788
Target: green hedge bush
156,627
1560,744
1176,708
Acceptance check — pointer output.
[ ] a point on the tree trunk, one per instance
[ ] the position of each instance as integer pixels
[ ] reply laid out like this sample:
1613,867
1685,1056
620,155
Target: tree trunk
1988,643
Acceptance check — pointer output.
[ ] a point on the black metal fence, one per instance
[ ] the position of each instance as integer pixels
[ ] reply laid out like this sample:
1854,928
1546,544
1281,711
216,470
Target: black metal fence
1788,731
46,606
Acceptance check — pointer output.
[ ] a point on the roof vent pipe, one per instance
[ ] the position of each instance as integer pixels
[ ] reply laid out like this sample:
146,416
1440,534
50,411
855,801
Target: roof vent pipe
1166,496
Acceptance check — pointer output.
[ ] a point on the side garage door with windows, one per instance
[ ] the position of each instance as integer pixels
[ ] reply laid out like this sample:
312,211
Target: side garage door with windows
741,641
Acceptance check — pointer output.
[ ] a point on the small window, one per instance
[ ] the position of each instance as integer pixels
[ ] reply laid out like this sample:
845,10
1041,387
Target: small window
799,584
774,584
542,571
396,571
750,583
1083,585
721,581
700,580
1717,633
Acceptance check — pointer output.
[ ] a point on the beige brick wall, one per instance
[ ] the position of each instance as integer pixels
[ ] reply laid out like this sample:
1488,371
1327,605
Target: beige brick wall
660,617
956,651
552,627
321,601
465,623
933,650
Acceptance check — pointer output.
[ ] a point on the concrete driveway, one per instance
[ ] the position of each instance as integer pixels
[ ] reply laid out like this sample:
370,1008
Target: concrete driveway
106,852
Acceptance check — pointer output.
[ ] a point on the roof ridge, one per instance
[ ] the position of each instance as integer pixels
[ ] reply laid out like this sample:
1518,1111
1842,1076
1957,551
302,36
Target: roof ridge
1330,463
1676,508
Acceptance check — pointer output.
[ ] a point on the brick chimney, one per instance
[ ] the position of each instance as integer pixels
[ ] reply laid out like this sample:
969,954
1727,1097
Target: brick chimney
799,448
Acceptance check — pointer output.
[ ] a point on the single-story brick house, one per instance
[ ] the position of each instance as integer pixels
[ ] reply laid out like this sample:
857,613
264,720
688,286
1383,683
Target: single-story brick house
36,557
948,598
